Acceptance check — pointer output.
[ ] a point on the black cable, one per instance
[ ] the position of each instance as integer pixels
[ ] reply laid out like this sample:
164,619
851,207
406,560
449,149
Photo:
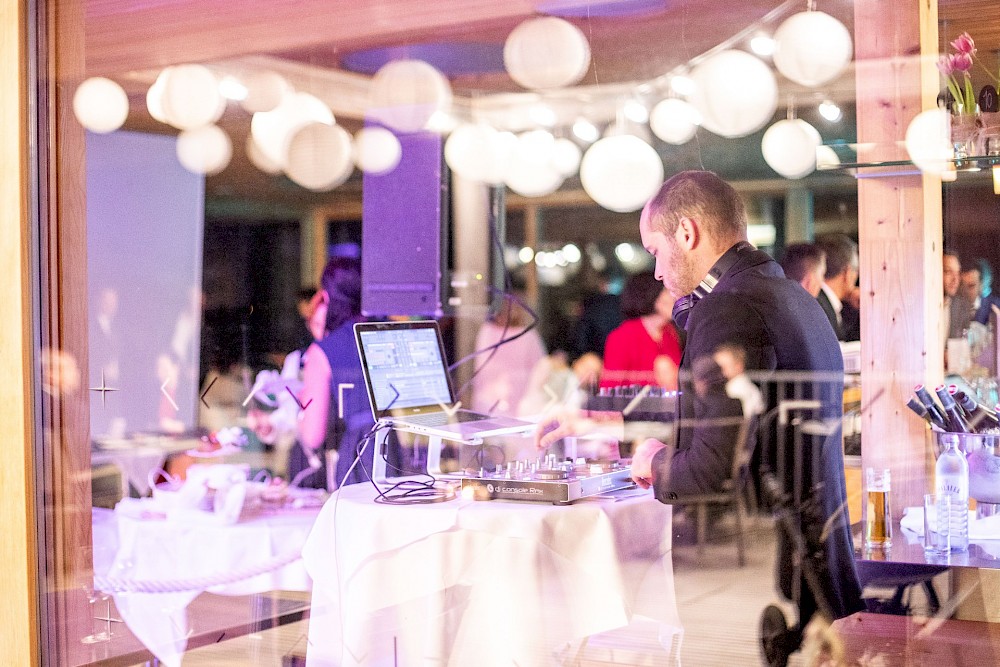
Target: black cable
413,492
510,298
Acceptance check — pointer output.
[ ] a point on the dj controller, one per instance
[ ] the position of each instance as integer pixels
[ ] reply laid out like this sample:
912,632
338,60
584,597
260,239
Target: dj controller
547,480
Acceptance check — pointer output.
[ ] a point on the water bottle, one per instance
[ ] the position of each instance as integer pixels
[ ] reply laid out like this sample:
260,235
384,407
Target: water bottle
952,478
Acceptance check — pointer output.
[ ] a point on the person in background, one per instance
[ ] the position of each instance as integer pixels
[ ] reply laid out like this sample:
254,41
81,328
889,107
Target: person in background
502,375
805,263
973,290
334,416
600,314
646,348
956,309
837,294
305,304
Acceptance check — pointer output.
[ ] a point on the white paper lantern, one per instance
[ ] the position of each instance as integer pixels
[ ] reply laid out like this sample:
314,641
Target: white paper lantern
735,93
621,173
272,130
479,153
265,90
827,158
100,105
406,93
154,98
546,52
190,96
789,147
812,48
320,156
674,121
376,150
566,157
204,150
530,172
259,160
928,141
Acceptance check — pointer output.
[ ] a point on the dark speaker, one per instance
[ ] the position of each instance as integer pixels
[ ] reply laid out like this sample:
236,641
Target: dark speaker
403,232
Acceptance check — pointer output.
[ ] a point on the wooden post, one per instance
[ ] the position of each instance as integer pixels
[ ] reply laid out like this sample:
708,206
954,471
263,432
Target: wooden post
899,228
312,231
18,548
532,226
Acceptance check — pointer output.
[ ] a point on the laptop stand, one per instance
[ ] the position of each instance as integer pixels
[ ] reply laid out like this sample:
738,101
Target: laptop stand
434,444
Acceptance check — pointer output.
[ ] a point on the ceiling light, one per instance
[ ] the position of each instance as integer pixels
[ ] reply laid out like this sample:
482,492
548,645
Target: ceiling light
682,85
762,45
585,130
625,252
830,111
525,254
636,111
571,253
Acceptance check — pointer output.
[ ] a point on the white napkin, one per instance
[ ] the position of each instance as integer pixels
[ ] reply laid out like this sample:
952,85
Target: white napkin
987,528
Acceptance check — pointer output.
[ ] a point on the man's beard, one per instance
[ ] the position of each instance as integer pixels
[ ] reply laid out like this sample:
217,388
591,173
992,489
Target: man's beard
682,277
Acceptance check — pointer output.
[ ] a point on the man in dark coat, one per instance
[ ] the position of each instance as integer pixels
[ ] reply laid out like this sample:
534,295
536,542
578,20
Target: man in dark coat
695,227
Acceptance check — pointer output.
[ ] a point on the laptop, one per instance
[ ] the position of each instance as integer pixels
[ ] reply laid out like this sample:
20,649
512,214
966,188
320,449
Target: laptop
409,384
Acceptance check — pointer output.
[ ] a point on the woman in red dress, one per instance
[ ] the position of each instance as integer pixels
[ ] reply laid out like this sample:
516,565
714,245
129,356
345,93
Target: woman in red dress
646,348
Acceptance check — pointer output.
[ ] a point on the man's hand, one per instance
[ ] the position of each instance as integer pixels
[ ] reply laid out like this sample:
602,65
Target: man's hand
585,424
642,462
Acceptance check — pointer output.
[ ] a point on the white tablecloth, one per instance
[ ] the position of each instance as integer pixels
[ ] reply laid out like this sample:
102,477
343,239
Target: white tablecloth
483,583
168,551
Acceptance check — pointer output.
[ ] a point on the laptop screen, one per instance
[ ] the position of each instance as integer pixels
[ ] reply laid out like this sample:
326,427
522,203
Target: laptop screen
404,366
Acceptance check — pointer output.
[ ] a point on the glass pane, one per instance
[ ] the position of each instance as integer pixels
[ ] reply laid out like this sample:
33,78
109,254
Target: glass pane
483,166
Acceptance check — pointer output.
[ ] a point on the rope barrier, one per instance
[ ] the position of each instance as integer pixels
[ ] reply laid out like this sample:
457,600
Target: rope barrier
115,585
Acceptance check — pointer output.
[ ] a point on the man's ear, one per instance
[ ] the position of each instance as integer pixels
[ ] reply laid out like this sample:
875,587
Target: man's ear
688,234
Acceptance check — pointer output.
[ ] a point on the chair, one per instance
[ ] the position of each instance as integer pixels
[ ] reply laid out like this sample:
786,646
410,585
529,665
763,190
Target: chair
734,492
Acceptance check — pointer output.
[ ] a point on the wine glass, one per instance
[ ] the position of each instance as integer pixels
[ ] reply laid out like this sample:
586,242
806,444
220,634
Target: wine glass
94,597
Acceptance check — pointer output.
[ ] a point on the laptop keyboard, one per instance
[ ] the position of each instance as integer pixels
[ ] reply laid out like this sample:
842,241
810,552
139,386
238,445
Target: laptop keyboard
441,418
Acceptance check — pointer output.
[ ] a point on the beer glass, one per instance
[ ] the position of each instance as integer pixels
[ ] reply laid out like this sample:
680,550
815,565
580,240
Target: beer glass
876,510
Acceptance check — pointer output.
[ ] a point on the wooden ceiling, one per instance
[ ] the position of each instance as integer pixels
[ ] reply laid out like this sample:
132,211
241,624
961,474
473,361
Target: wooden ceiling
309,40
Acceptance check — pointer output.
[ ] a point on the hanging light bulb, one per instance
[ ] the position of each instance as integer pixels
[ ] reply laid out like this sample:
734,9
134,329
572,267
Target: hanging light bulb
829,110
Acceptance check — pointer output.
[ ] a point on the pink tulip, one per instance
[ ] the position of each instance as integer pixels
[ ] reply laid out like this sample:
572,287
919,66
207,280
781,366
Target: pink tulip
944,65
964,45
961,62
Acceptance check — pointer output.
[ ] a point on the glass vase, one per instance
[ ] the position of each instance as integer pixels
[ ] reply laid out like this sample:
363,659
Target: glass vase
963,138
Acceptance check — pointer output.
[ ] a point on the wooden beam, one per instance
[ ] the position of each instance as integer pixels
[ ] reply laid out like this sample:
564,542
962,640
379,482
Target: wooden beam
65,440
899,228
18,548
174,31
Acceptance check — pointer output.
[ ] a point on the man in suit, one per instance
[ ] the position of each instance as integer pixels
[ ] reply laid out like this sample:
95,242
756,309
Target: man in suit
731,294
971,289
838,290
805,263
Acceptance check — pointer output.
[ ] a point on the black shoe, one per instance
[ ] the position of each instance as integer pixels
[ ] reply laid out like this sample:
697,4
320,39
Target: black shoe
775,638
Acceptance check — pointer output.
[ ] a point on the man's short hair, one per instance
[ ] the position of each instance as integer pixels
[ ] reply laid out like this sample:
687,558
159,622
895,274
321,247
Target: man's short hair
705,197
801,259
840,253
